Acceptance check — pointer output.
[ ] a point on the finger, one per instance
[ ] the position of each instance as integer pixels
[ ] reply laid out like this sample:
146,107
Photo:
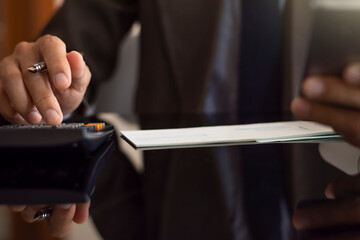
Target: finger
53,51
80,80
82,212
40,90
61,220
44,100
351,74
336,213
326,114
29,211
7,111
343,188
15,90
17,208
345,122
80,72
331,90
351,137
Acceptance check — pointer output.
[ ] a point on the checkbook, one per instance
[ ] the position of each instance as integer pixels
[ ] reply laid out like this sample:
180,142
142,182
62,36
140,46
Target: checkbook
229,135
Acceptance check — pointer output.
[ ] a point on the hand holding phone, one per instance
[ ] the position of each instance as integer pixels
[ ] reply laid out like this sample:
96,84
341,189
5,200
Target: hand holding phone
331,93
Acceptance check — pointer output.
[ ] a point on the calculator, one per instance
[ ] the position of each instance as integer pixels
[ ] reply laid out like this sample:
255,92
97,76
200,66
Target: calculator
48,178
65,137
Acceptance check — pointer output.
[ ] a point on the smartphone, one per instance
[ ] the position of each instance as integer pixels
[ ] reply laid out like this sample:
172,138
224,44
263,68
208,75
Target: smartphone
334,37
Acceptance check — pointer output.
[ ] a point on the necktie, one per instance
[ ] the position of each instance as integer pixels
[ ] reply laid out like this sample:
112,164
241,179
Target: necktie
260,76
260,100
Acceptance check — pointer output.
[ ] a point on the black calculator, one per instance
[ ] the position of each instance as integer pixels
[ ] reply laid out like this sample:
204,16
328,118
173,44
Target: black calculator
65,137
46,178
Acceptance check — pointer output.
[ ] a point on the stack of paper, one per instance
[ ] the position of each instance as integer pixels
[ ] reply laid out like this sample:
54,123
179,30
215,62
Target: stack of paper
260,133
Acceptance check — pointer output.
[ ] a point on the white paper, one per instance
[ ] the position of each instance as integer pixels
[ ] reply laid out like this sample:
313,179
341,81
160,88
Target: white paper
229,135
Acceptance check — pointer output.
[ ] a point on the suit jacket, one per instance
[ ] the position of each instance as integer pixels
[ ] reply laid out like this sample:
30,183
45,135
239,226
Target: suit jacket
178,53
177,57
177,47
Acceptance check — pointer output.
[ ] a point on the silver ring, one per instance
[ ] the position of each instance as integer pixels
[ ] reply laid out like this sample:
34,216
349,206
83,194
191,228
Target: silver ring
42,215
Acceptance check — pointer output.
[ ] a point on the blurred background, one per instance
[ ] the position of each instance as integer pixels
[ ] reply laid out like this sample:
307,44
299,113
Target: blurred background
23,21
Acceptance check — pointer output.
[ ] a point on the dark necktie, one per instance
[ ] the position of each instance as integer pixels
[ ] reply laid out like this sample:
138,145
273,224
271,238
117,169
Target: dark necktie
260,101
260,76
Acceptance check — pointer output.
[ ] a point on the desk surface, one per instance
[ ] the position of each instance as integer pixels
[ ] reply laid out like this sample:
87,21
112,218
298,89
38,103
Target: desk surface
239,192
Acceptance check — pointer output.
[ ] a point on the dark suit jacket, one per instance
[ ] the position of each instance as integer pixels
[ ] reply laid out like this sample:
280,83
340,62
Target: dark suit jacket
177,47
180,196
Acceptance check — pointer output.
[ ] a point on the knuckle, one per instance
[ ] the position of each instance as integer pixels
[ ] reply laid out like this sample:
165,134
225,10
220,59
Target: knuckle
7,74
21,47
50,40
5,61
46,38
7,71
5,64
30,79
43,101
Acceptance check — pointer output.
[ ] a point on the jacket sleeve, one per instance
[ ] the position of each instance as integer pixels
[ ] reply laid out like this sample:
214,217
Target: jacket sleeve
95,28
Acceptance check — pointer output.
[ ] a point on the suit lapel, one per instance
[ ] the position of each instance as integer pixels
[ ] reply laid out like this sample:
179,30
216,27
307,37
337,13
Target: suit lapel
190,30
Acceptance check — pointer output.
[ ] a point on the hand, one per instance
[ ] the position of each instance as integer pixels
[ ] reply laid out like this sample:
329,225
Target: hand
34,97
61,219
333,101
342,213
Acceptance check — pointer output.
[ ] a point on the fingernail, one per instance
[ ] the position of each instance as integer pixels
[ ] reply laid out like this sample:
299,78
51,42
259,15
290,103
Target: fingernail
65,206
313,88
34,117
300,221
52,116
301,108
61,80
